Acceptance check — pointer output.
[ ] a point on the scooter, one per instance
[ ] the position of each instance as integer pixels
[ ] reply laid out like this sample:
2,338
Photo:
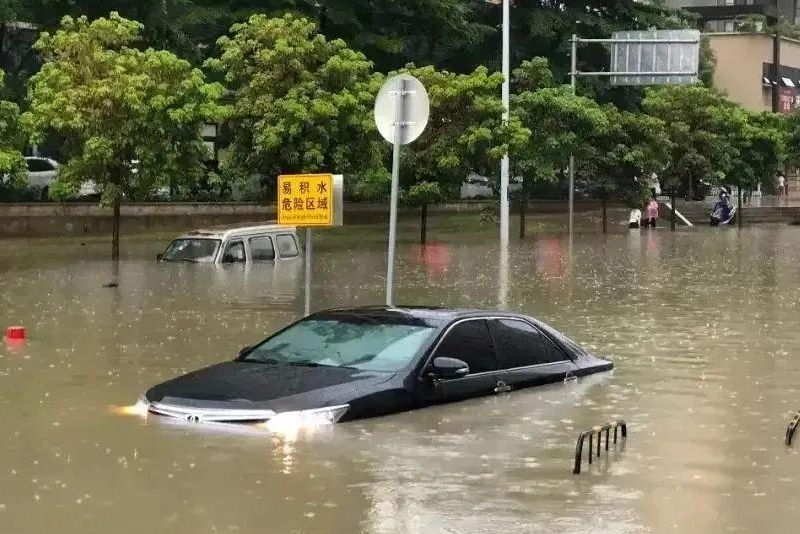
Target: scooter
718,217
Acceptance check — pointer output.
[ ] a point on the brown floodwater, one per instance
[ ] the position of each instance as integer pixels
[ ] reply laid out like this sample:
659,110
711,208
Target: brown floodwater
703,327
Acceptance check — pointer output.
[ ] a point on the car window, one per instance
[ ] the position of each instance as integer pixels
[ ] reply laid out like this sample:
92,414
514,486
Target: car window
234,253
39,165
471,342
554,353
192,250
287,246
520,344
262,249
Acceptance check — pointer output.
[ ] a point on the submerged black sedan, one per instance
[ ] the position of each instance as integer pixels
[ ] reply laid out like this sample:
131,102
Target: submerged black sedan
352,363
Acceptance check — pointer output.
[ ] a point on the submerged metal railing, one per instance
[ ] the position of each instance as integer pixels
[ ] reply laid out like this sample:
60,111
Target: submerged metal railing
791,429
598,431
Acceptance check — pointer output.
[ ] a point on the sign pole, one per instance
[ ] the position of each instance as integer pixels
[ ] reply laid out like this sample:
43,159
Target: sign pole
402,109
307,201
573,74
398,143
309,263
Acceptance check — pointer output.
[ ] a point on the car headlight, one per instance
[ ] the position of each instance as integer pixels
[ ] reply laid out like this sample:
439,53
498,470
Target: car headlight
307,418
142,406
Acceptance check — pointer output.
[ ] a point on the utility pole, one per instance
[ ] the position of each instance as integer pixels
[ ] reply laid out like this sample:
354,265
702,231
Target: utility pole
504,164
776,72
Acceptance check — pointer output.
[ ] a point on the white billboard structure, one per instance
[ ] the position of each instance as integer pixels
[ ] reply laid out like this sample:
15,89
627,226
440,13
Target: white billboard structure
666,57
657,57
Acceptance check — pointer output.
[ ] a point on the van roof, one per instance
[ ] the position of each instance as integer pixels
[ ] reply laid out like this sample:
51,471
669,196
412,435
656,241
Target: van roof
236,230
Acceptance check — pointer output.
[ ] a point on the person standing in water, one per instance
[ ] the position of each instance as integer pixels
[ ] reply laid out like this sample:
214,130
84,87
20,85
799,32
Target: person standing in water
651,213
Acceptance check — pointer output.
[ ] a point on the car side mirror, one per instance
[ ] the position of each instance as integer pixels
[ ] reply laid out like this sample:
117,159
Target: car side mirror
245,351
159,257
450,368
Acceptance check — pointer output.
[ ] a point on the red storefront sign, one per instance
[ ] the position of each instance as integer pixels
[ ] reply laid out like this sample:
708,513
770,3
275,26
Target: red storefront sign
787,99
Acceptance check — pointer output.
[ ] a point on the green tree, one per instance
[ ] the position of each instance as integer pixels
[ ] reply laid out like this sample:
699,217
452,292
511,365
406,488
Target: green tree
12,164
621,158
131,119
701,124
556,124
302,103
422,195
761,144
464,134
390,33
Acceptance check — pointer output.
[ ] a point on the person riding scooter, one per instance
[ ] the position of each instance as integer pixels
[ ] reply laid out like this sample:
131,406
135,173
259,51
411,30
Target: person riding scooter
723,210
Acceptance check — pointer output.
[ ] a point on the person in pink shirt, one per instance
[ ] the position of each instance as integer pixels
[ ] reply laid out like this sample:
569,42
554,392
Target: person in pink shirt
651,213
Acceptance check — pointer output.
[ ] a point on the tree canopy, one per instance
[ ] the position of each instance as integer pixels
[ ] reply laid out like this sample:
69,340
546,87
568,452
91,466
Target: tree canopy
701,124
12,164
131,119
557,123
302,103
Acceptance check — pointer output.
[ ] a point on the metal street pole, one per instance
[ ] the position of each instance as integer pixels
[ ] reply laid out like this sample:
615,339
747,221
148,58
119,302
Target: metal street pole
309,252
504,164
573,74
400,94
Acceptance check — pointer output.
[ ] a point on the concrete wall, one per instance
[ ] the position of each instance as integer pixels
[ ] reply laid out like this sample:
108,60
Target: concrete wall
41,219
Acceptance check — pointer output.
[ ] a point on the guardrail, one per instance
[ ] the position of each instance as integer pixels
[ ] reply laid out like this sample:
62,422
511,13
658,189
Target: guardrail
598,431
791,429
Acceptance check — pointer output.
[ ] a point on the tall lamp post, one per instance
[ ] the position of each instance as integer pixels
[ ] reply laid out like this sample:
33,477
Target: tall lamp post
504,163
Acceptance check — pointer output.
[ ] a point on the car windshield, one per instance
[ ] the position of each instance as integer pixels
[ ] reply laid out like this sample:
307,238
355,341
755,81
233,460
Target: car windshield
365,343
192,250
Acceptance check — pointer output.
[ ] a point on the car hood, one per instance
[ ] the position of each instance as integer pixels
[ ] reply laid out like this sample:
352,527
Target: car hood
255,386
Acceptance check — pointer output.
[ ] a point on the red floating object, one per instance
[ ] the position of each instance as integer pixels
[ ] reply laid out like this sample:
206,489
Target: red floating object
15,332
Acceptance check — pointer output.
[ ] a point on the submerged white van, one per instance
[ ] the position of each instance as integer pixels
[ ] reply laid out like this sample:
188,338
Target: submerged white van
234,244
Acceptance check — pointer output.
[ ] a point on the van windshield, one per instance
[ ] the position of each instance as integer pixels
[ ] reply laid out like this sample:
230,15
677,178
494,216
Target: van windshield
192,250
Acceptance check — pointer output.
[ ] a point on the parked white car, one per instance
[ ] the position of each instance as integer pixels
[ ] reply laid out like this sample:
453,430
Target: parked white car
42,172
477,187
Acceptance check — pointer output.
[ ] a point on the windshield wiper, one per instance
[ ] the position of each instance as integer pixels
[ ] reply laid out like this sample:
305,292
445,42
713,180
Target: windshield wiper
317,364
269,361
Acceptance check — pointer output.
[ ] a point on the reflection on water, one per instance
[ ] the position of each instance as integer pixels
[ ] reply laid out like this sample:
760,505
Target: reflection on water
702,326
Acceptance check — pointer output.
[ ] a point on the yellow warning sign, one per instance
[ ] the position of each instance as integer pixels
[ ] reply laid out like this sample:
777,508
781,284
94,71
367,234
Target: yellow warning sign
305,200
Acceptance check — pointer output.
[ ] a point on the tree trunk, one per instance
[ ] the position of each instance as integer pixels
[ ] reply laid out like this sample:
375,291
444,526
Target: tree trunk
115,231
523,206
3,46
739,209
423,230
605,215
674,216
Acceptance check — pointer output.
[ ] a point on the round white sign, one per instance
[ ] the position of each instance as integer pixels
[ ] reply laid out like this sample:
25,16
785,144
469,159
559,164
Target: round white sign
415,108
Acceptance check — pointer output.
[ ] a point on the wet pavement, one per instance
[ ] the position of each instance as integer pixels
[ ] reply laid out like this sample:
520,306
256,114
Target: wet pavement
702,326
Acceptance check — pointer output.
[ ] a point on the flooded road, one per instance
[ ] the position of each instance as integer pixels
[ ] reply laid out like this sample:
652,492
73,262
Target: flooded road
703,327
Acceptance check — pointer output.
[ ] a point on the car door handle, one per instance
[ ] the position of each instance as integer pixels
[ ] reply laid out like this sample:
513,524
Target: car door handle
502,387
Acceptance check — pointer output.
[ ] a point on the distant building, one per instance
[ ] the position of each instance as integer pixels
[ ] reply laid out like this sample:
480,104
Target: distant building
745,70
721,15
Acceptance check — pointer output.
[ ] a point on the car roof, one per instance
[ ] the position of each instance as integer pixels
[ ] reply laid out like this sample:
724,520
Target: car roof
421,312
229,231
445,316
